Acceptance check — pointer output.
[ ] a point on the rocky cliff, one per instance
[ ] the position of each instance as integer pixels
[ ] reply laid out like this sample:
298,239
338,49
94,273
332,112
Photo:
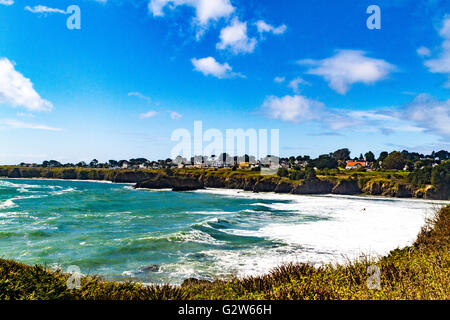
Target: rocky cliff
182,181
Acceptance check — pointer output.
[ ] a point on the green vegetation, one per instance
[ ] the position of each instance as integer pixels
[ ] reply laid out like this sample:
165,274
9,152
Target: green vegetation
438,176
394,161
417,272
430,182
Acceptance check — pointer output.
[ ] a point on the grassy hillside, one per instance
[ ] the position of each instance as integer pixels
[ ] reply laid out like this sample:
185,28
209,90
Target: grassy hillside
417,272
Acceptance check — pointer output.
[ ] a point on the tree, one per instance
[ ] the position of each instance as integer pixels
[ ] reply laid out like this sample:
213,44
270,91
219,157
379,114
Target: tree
282,172
440,176
93,163
383,155
370,157
81,164
122,162
113,163
52,164
341,154
325,162
394,161
442,155
409,165
420,177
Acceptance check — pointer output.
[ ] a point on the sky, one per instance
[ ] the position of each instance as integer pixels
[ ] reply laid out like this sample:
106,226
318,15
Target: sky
135,71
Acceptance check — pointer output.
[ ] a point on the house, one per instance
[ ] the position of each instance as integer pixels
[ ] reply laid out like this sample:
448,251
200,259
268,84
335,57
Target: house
244,165
355,165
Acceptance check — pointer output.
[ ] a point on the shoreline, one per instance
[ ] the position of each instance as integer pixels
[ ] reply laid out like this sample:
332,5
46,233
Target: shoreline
362,196
330,195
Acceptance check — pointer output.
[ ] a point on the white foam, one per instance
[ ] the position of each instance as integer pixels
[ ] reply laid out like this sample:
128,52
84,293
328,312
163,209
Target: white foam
8,204
209,212
58,193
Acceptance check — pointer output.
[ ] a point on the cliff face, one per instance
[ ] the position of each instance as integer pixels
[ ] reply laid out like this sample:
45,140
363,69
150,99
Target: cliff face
347,187
176,183
203,179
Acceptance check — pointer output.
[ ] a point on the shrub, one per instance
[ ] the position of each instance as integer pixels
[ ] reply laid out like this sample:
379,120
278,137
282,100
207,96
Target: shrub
283,172
440,176
297,175
310,174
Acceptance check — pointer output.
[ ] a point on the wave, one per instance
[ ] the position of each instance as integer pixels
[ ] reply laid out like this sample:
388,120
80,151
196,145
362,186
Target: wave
210,212
9,203
58,193
236,193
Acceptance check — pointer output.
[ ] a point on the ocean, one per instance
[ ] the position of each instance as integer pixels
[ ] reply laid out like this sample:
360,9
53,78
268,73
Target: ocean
162,236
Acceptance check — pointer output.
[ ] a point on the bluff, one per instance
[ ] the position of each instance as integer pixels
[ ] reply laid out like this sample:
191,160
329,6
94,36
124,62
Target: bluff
188,180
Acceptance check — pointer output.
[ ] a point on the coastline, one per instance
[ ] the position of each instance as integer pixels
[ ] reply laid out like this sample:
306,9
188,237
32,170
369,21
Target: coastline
390,185
241,192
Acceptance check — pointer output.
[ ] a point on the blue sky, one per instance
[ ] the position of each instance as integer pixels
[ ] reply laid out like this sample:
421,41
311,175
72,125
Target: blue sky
137,70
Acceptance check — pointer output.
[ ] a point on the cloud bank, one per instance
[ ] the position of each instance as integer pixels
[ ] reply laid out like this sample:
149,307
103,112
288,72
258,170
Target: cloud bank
348,67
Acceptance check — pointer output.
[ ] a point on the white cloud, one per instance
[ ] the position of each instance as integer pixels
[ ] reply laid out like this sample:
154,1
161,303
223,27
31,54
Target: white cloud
423,51
431,114
16,124
206,10
423,115
25,114
18,91
348,67
149,114
292,108
338,119
265,27
7,2
234,37
279,79
140,96
445,30
441,64
44,9
296,82
209,66
175,115
371,115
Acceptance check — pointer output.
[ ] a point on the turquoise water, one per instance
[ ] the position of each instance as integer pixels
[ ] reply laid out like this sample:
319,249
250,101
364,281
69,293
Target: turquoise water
165,237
